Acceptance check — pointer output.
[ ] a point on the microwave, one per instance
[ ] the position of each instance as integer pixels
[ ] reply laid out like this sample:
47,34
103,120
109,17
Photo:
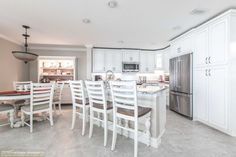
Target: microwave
130,67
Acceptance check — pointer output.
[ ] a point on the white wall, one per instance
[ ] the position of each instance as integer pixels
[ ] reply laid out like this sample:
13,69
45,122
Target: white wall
81,69
11,69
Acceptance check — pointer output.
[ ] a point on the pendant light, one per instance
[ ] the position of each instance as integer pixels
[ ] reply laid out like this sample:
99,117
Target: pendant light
25,55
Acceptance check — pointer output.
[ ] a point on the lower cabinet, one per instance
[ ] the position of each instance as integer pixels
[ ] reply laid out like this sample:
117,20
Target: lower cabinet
210,96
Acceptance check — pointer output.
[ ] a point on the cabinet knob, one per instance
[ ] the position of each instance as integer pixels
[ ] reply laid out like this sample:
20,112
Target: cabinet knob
209,60
206,74
209,72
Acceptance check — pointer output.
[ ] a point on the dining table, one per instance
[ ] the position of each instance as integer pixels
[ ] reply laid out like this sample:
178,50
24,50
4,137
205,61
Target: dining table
6,96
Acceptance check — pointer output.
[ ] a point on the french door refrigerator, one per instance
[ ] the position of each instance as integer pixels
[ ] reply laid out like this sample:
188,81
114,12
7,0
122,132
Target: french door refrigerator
181,85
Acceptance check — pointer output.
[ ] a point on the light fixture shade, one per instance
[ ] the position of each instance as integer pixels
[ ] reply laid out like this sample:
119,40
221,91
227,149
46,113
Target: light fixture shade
25,56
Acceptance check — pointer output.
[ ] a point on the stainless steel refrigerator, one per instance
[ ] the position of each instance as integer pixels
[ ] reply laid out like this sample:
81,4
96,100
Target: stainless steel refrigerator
181,85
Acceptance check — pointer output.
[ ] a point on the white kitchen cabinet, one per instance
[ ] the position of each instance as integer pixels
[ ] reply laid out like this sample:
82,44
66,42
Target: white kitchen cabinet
210,95
147,61
113,60
182,45
98,60
201,48
107,59
131,56
218,41
200,97
217,96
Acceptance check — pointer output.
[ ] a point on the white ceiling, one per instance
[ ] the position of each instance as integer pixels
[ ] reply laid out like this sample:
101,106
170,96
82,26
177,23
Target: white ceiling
139,23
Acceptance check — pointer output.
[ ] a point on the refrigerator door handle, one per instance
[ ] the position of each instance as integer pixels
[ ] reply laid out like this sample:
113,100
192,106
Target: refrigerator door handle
179,94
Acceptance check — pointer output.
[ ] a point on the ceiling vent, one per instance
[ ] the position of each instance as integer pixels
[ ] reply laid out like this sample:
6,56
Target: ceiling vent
198,11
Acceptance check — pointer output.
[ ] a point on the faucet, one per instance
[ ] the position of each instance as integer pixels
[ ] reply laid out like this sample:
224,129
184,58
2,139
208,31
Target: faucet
109,75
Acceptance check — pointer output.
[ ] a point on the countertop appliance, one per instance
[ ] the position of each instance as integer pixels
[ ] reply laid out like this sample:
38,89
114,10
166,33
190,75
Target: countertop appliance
130,67
181,94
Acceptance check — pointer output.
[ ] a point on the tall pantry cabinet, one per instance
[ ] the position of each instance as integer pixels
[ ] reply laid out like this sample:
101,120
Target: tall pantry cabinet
214,72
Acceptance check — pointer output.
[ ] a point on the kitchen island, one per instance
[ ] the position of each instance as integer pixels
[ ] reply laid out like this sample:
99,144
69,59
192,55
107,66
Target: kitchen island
154,97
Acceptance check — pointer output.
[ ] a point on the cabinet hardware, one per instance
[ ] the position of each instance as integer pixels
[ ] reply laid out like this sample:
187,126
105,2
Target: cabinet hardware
209,72
209,60
206,73
206,60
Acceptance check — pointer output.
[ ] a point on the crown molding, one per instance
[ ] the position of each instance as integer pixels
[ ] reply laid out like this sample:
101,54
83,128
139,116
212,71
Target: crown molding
57,47
9,39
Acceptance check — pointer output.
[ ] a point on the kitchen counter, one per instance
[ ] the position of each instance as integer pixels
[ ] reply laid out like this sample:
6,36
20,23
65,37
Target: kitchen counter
153,97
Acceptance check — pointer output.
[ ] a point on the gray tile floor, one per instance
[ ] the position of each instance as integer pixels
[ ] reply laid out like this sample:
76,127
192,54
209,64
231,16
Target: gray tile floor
183,138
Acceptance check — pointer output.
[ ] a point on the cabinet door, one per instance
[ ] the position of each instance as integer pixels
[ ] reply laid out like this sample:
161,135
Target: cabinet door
143,62
109,60
200,97
151,62
201,48
217,97
130,55
218,42
98,61
117,61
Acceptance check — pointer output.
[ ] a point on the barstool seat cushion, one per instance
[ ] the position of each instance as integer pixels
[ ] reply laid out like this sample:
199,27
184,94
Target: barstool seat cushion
141,111
80,101
6,107
100,106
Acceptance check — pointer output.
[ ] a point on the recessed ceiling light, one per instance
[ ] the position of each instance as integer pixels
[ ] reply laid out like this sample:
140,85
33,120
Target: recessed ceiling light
198,11
176,28
86,21
112,4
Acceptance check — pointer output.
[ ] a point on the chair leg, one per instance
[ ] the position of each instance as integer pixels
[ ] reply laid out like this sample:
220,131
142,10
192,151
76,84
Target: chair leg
99,117
105,128
91,123
22,119
59,106
84,121
136,139
126,133
114,136
12,119
73,117
51,117
54,107
31,123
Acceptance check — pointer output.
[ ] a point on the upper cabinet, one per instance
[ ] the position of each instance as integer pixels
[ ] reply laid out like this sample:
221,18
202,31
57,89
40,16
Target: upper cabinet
131,56
147,61
182,45
218,41
98,60
113,60
211,44
201,48
107,59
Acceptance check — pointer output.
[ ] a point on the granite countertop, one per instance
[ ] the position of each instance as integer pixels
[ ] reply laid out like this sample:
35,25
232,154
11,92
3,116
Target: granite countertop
150,89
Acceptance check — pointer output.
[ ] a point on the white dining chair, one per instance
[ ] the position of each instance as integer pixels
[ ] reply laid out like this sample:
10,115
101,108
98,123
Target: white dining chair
41,97
21,86
9,110
99,104
58,89
79,103
125,106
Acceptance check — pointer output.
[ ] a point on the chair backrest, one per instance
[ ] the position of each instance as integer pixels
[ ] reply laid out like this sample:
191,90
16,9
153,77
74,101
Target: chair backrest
41,94
124,95
77,92
20,86
96,93
58,88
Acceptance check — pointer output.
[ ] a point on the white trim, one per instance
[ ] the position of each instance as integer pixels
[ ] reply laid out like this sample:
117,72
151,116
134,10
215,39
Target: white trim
57,57
57,47
9,39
